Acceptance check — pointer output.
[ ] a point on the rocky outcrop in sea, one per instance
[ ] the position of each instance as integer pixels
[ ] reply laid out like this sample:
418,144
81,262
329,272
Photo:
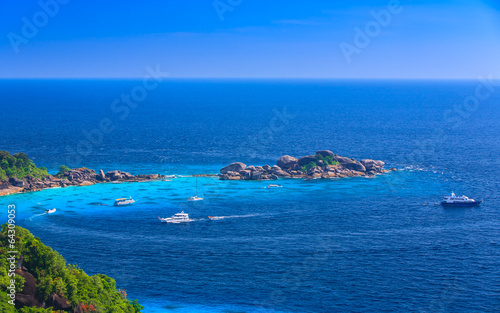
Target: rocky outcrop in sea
324,164
74,177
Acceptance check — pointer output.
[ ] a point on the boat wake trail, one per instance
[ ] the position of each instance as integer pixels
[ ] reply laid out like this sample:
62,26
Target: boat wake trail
36,215
216,218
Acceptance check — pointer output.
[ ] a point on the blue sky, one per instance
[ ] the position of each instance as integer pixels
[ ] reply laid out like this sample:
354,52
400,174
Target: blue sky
255,39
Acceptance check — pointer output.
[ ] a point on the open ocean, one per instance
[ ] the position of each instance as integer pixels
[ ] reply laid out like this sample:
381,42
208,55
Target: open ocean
351,245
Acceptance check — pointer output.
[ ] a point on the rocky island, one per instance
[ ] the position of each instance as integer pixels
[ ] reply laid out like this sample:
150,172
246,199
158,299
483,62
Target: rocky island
19,174
74,177
324,164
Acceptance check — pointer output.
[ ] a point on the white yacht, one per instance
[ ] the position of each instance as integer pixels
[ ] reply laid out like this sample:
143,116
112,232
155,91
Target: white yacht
50,211
177,218
455,201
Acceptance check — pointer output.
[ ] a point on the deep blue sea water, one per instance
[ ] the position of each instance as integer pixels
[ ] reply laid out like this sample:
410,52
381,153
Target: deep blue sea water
350,245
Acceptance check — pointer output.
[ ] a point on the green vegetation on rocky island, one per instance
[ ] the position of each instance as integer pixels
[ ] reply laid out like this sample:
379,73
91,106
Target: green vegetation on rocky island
45,283
19,166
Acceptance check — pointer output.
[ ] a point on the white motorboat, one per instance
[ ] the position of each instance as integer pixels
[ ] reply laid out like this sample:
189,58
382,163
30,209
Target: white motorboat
124,201
454,201
177,218
50,211
274,186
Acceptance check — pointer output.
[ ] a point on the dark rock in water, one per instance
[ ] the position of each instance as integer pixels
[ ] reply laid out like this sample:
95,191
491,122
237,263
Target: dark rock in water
307,159
287,161
234,167
355,166
325,153
16,182
393,169
58,302
27,297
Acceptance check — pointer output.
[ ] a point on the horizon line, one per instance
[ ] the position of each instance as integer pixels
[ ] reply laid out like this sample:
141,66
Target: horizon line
241,78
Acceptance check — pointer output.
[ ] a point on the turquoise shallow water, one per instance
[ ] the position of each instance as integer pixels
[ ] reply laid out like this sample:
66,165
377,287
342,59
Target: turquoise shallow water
359,244
296,244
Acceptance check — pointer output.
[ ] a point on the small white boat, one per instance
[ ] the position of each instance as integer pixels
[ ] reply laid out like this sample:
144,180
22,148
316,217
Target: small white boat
195,198
124,201
177,218
274,186
50,211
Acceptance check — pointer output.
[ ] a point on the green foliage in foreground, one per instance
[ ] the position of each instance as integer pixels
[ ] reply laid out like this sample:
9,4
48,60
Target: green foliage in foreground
19,166
53,275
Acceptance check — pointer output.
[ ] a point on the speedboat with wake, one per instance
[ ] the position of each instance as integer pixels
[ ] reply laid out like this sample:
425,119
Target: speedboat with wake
216,218
463,201
50,211
177,218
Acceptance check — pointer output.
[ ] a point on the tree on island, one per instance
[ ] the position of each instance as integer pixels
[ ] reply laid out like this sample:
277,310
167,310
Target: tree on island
19,166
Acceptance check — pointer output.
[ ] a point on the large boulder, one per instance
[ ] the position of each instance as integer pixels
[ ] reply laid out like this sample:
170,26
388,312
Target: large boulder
342,160
114,175
307,159
233,167
101,175
355,166
256,175
28,296
286,161
315,170
16,182
281,173
325,153
246,174
58,302
372,165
